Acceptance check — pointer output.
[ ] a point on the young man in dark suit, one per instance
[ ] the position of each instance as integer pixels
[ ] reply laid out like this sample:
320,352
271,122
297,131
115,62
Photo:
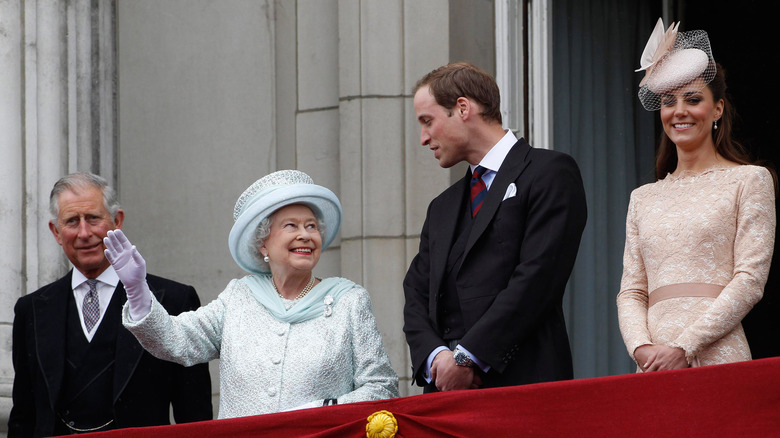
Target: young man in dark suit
484,294
76,368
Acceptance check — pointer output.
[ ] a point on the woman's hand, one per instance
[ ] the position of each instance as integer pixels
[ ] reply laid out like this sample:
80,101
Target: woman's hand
660,358
130,267
642,355
125,258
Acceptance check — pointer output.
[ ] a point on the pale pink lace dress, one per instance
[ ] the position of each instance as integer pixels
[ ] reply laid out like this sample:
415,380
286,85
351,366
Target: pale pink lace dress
715,227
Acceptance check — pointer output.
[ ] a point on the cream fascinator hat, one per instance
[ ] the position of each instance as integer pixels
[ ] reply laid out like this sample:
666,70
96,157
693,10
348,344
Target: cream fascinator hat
264,197
671,60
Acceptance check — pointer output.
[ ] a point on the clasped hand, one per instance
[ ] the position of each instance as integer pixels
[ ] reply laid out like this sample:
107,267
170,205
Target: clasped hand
660,358
449,376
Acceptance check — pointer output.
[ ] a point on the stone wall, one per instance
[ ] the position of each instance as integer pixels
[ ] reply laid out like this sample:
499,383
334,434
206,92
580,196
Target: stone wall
184,103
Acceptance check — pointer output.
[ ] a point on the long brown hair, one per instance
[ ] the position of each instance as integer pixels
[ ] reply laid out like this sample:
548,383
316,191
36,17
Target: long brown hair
725,144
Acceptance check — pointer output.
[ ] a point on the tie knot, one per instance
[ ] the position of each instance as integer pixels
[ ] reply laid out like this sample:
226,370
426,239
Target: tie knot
478,172
92,283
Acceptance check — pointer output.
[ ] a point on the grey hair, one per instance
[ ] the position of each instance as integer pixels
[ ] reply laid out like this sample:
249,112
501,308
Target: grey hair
83,180
264,230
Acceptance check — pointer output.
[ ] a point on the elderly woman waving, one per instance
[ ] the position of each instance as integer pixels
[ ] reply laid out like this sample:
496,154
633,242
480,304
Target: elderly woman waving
285,339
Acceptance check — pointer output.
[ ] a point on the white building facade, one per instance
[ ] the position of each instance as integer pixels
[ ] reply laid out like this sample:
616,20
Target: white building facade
182,104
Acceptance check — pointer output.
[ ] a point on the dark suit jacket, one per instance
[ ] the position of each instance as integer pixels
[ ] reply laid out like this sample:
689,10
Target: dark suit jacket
143,387
518,258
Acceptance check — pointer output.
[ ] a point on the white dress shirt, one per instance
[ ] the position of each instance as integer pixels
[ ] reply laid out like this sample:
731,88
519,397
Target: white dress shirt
107,282
493,160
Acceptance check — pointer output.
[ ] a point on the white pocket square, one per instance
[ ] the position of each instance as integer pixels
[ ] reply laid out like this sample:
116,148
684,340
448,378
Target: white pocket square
511,191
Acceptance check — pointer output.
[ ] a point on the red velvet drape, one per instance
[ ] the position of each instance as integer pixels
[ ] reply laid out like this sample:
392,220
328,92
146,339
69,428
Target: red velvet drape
734,400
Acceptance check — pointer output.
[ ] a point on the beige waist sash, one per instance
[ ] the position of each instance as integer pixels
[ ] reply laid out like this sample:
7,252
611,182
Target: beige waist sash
683,290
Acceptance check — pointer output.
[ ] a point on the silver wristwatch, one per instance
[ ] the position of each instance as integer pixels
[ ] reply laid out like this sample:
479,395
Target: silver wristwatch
461,358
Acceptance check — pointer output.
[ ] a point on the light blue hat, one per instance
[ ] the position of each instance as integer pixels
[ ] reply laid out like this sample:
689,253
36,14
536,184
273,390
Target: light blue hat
270,193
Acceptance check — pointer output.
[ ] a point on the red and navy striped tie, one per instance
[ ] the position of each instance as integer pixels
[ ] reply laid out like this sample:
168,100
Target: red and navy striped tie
478,190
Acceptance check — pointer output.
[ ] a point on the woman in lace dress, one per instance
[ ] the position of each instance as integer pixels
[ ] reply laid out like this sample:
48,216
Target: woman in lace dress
285,339
699,240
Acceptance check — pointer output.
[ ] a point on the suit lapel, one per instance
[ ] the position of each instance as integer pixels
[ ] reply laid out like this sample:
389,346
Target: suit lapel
50,313
128,350
442,224
513,166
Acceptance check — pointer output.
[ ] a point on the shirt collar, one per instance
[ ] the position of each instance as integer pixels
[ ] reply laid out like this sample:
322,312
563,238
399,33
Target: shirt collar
495,156
108,277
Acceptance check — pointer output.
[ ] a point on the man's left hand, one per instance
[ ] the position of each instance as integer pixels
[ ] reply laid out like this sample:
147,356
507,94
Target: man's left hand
450,376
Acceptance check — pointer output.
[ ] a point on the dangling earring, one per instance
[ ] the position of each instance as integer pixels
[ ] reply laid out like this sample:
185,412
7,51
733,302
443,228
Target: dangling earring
266,259
716,125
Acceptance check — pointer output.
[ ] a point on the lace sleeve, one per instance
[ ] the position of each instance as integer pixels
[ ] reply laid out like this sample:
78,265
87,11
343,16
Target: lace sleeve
632,299
753,247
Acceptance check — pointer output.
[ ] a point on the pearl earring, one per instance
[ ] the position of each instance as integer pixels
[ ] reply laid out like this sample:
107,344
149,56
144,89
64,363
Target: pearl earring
716,125
266,259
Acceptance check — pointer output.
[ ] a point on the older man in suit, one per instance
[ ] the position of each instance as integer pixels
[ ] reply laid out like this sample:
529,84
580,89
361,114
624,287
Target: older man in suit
76,368
484,294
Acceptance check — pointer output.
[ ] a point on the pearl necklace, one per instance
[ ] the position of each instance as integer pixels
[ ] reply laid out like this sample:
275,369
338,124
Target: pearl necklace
303,293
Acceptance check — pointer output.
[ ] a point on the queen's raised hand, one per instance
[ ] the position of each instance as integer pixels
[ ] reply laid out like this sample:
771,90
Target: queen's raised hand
130,267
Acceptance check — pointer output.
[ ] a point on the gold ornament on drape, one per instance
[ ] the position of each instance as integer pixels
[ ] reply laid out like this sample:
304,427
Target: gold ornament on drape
381,424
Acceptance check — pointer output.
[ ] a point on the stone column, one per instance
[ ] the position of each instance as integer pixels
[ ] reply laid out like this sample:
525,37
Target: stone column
317,114
11,199
387,179
56,116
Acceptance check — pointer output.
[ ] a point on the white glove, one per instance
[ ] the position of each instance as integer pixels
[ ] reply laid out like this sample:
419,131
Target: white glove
131,269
